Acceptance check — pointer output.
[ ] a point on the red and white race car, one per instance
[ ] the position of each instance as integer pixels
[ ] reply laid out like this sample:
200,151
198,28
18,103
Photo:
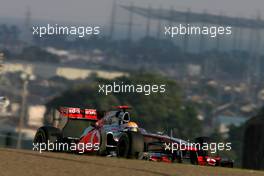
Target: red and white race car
103,133
113,133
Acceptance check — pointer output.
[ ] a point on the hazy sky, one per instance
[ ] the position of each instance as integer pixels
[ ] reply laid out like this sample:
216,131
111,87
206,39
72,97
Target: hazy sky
98,11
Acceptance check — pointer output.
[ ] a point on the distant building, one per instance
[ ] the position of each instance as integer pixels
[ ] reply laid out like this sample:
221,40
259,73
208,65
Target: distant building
48,70
194,70
223,122
36,115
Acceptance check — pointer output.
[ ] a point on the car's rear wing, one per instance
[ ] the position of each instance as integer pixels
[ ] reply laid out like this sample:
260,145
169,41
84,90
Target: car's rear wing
78,113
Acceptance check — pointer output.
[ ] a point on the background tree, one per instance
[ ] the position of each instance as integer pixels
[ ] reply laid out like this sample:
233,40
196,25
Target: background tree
155,112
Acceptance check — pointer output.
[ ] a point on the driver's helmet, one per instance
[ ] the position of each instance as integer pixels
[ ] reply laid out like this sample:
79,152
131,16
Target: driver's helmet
131,126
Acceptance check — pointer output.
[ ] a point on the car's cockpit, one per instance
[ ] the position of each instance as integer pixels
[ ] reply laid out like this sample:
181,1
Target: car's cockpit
116,117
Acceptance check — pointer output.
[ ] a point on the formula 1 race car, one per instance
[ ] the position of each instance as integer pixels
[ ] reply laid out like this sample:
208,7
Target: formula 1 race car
113,133
106,132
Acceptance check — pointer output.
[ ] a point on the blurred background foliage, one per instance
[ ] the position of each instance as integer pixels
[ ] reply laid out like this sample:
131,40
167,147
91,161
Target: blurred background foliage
163,112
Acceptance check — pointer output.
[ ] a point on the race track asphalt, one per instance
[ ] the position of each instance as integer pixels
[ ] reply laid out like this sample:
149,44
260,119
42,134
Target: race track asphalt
31,163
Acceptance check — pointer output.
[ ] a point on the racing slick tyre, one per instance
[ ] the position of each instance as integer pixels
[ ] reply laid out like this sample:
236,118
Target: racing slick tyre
47,134
130,145
122,149
102,148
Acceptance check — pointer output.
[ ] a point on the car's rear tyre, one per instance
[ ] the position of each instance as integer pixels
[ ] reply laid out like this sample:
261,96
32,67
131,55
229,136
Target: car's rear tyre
130,145
102,148
47,134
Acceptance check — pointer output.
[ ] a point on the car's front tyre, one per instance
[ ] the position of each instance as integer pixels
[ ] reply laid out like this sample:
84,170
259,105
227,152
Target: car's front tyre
130,145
